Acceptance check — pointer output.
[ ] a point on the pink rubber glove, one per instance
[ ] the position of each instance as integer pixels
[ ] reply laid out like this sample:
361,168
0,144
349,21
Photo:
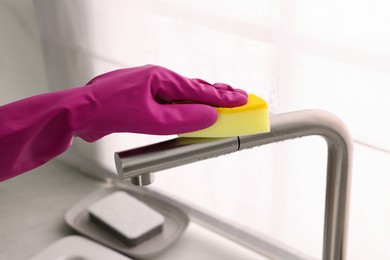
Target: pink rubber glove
137,100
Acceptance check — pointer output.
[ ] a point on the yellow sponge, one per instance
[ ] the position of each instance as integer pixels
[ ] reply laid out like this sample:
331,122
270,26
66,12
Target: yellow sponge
250,118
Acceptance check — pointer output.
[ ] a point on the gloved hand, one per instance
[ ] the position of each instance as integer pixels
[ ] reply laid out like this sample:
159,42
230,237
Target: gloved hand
139,100
147,99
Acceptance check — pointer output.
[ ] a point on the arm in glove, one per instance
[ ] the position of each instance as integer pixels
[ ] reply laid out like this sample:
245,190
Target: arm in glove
143,99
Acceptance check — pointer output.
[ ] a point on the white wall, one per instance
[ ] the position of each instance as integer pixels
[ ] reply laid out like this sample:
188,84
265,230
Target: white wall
21,62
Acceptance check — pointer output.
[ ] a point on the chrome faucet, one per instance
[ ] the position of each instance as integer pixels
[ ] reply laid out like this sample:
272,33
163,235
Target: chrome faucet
138,165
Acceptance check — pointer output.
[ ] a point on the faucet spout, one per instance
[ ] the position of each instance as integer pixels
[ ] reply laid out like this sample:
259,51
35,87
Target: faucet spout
137,162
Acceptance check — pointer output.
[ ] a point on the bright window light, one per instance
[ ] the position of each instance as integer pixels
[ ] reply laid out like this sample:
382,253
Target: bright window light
296,54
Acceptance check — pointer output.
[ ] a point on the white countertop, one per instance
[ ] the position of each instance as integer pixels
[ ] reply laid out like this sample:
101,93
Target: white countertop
32,208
